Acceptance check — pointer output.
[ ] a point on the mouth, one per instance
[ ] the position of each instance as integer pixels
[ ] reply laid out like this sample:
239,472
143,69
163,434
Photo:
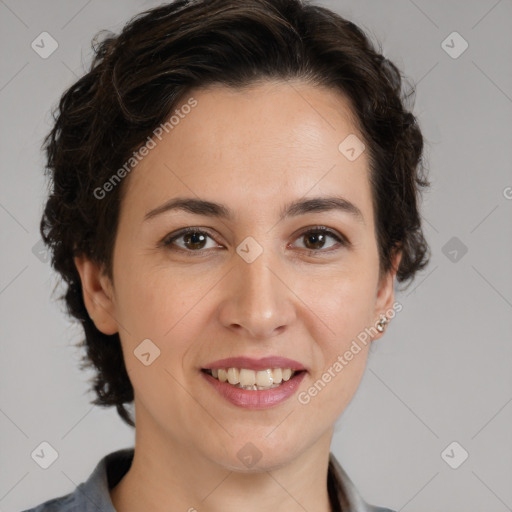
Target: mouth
253,380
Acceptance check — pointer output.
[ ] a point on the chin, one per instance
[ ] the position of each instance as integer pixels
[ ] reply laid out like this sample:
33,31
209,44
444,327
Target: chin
255,454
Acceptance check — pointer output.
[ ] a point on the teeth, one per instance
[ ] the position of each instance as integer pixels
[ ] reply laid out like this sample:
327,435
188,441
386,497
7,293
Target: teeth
233,376
264,378
251,379
247,377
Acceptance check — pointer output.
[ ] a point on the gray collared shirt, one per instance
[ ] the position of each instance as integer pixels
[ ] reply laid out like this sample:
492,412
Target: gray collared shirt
93,495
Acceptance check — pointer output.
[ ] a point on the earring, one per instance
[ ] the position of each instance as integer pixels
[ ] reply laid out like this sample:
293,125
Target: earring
381,324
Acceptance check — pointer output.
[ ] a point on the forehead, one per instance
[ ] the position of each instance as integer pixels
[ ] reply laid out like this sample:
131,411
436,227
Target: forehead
273,141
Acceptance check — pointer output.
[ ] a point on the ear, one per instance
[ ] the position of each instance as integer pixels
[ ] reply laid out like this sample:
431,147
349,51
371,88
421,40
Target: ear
98,294
385,291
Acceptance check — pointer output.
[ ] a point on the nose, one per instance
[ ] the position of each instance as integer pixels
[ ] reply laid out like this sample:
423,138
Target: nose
258,301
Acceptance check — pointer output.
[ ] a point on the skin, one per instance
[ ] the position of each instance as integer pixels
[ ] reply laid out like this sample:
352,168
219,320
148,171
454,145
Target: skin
271,143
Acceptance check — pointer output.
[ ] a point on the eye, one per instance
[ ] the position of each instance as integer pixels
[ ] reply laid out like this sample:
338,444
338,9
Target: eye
194,240
315,239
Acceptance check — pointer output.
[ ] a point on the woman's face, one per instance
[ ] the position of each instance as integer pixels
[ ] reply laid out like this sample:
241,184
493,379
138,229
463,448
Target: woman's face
262,282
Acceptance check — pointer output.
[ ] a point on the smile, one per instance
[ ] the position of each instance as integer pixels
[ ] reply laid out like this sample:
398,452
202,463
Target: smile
245,378
241,386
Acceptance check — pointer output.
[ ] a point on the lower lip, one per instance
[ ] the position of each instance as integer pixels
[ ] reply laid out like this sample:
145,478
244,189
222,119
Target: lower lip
256,399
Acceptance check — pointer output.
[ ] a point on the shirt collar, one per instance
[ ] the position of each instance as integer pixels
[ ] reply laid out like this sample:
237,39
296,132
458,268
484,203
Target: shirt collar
94,494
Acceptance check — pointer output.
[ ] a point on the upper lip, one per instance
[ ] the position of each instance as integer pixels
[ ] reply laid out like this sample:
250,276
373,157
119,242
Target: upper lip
250,363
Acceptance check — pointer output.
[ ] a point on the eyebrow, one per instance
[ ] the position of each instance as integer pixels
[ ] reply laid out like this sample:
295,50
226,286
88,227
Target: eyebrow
293,209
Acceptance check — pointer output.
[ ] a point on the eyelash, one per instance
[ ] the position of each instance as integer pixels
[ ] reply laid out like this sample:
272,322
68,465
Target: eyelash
168,240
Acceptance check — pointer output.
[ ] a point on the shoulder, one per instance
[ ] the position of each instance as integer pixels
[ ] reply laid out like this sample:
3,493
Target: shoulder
94,494
61,504
345,493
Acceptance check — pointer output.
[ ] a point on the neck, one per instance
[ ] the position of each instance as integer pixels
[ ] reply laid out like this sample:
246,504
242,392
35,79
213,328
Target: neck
166,475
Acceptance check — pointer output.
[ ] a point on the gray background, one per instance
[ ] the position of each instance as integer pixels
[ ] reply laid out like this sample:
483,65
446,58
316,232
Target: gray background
441,374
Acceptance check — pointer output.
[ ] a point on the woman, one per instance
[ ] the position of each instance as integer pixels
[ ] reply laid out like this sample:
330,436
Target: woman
235,188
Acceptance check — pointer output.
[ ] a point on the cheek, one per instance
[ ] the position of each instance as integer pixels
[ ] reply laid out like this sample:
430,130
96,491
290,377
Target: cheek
330,390
165,306
164,309
150,300
343,307
342,300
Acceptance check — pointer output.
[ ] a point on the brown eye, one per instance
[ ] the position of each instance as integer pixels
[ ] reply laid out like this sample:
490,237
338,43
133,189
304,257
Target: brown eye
315,240
193,240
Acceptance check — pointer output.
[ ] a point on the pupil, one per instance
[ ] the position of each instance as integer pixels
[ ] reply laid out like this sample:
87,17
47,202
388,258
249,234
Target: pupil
194,238
317,237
